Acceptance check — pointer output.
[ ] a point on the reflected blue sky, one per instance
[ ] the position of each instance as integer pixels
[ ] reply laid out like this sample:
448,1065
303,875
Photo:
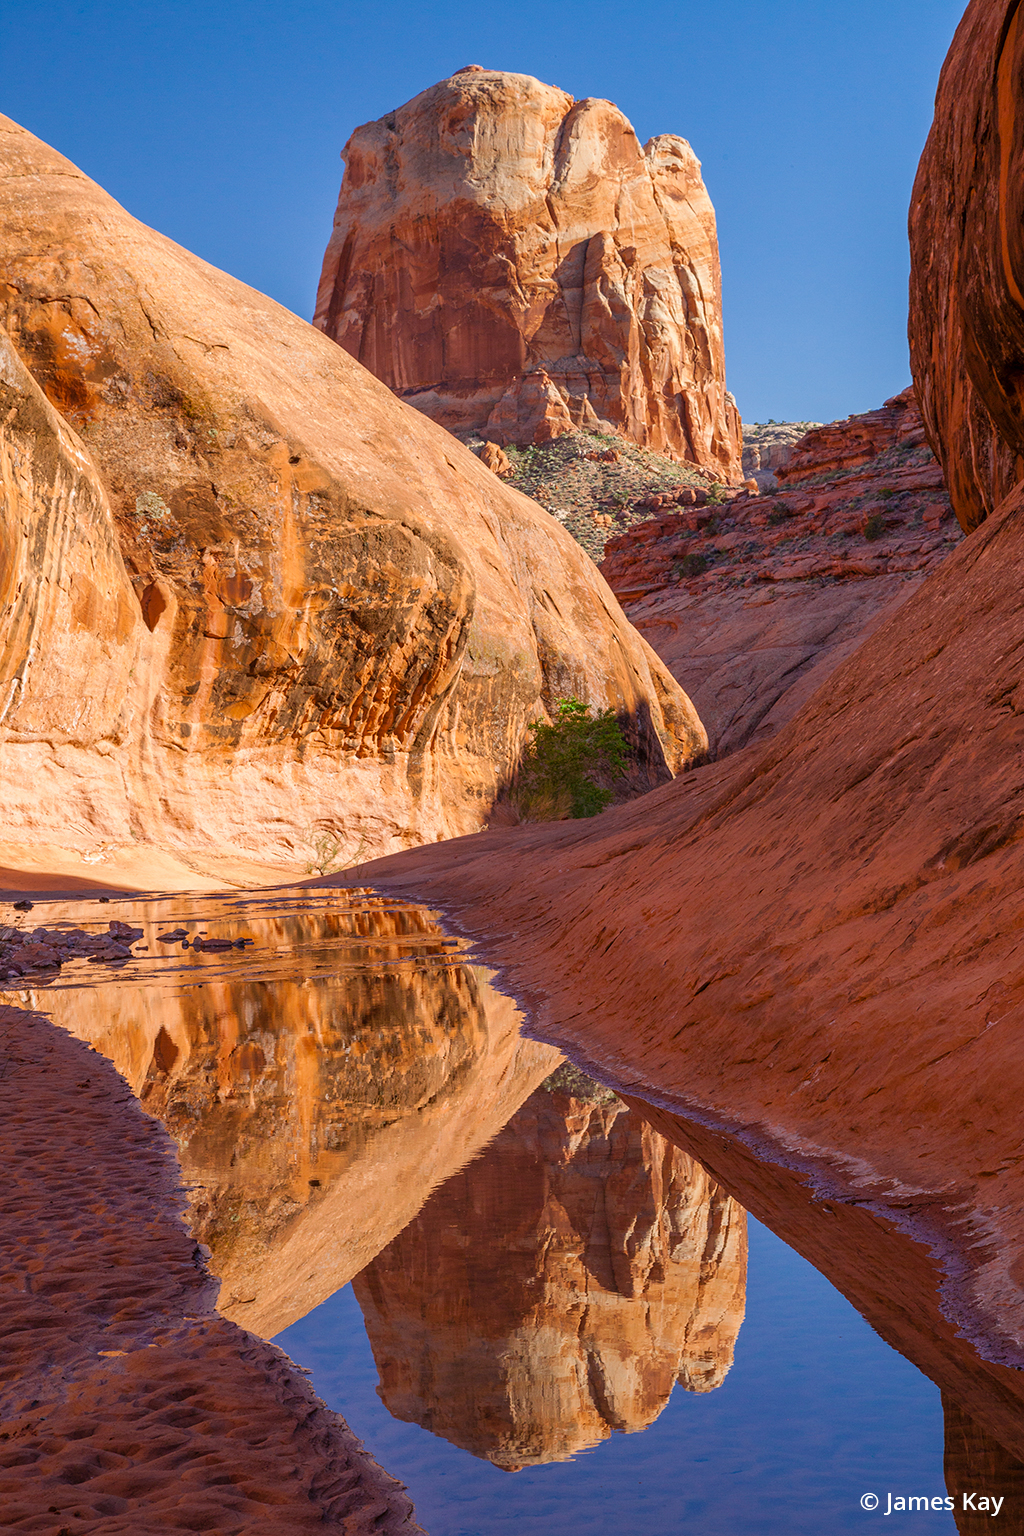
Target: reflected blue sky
816,1411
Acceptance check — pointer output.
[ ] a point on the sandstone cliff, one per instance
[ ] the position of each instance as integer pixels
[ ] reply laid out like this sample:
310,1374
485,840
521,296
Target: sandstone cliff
967,270
513,263
250,591
316,1092
557,1288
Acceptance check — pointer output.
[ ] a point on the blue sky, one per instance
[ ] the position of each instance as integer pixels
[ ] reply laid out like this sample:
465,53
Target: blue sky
221,123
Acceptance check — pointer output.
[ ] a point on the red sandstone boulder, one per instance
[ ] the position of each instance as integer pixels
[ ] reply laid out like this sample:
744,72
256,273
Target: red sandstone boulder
846,445
967,262
515,265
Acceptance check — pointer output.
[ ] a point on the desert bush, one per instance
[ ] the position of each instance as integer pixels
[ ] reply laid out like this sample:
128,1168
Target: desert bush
327,851
565,759
693,565
874,527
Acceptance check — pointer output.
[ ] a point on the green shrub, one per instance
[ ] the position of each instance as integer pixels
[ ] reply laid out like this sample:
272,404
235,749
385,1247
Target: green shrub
693,565
779,514
874,527
564,757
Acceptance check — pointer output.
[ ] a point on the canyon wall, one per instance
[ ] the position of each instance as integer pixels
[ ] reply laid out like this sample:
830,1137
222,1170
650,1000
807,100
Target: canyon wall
247,591
967,273
557,1288
514,264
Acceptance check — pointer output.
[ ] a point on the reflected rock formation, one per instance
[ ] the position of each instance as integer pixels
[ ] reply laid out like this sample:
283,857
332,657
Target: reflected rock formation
314,1114
977,1464
557,1288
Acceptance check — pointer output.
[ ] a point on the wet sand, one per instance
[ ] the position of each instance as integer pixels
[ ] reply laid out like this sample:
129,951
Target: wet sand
128,1404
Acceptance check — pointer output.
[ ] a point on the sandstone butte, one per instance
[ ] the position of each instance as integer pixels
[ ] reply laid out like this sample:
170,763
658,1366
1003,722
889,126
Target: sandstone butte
967,269
556,1289
514,264
805,957
793,582
244,590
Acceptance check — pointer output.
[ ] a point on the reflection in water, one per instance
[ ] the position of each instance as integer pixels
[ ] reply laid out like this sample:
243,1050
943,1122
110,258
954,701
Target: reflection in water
557,1288
978,1466
318,1085
329,1089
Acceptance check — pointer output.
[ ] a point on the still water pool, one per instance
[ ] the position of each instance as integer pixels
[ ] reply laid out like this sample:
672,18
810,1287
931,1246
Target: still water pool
815,1411
536,1311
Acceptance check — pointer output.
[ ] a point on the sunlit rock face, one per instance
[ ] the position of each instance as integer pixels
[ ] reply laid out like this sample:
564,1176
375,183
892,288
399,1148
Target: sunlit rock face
513,263
313,1116
69,622
557,1288
967,267
299,602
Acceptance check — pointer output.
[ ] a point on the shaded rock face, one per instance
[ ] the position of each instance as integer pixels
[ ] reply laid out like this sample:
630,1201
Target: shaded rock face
967,262
558,1288
297,601
974,1462
312,1119
793,582
514,264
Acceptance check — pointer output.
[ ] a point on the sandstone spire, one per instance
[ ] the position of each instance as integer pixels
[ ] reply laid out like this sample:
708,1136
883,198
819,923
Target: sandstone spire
513,263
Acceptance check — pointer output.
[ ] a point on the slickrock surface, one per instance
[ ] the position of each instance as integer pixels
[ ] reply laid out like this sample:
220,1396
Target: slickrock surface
311,1119
127,1404
814,943
272,595
556,1289
514,264
967,262
753,603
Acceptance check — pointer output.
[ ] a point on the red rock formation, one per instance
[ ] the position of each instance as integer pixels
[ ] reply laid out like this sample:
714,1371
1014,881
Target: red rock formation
274,596
815,943
753,604
556,1289
967,263
858,440
126,1403
512,263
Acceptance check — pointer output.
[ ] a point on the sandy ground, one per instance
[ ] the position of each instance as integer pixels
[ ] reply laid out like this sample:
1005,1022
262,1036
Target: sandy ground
128,1405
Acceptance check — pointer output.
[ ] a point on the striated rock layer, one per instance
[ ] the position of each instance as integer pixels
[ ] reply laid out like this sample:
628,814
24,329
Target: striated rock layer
967,262
244,589
752,605
514,264
556,1289
126,1403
